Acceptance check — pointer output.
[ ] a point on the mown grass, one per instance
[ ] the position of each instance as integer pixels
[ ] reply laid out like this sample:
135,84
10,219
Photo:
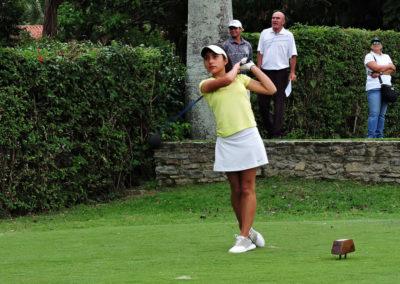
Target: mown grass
164,235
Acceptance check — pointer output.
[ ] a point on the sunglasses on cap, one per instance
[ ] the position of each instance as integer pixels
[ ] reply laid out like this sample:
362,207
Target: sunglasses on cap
376,42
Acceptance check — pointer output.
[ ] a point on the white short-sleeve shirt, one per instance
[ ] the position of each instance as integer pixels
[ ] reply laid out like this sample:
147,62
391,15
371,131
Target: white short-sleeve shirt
276,49
381,59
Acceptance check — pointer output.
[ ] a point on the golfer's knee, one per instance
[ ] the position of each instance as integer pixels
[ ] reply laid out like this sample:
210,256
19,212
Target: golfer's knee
235,191
247,189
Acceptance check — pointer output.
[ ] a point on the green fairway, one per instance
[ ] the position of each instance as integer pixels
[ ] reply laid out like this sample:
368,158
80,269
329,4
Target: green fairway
184,235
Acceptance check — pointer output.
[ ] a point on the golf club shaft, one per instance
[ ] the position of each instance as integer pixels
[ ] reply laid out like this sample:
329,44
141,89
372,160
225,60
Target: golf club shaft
180,114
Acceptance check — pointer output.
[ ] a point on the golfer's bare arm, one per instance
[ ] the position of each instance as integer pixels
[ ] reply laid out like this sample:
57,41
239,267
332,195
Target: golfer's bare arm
213,85
264,84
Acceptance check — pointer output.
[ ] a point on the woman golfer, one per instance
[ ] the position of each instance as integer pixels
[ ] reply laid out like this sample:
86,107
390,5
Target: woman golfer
239,148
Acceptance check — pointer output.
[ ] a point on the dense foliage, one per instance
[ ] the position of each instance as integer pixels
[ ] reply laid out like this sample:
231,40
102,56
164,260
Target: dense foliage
11,15
34,12
256,14
133,21
74,119
329,98
129,21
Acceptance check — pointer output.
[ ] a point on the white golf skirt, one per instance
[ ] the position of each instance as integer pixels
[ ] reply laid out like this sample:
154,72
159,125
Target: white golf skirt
241,151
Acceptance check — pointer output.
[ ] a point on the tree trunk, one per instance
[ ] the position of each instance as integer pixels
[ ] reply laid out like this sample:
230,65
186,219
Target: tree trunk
207,24
50,17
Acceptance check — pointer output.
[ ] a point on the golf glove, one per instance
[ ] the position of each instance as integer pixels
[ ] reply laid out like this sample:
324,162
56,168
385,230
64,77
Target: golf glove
246,64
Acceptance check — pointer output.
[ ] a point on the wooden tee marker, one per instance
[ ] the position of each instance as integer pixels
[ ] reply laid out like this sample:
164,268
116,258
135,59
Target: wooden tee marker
343,246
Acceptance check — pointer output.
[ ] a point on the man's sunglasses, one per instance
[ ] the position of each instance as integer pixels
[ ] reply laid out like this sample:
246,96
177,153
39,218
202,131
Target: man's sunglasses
376,42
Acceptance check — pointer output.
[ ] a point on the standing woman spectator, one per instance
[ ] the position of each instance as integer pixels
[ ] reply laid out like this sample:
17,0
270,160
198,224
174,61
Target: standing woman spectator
239,149
378,65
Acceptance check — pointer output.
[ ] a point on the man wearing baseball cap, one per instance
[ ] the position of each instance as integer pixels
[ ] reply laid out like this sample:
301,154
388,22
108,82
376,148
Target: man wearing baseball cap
236,46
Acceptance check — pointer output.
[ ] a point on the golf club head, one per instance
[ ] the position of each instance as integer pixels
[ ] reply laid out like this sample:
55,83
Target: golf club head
155,140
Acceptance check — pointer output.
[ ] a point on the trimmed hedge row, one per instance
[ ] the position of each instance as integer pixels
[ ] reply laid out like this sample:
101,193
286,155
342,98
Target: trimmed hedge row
74,119
329,98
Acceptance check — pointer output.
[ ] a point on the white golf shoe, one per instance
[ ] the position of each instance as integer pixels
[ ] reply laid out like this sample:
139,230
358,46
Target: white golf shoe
242,244
256,238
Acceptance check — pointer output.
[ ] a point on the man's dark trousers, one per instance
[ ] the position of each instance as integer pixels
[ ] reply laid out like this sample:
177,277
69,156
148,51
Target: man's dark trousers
274,127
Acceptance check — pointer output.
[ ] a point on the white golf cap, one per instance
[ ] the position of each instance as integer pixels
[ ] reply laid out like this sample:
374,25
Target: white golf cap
235,23
214,48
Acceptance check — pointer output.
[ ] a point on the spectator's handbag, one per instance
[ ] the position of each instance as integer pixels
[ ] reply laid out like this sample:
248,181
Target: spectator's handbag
388,93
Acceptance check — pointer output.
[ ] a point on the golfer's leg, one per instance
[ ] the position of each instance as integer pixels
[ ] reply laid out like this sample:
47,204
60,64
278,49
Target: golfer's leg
248,200
234,182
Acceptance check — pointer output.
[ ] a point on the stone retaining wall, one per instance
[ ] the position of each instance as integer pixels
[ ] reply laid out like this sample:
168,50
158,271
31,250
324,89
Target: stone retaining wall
179,163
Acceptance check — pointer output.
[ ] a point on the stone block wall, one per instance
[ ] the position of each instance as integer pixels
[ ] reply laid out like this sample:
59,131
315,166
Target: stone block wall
179,163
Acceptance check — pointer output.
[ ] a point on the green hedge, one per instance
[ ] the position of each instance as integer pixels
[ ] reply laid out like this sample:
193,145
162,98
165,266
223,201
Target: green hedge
74,119
329,98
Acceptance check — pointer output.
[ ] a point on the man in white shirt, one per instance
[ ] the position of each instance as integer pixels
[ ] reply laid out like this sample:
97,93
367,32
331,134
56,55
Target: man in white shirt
276,53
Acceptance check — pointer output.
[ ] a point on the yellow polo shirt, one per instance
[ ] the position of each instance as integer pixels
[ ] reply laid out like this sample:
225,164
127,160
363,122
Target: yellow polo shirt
231,106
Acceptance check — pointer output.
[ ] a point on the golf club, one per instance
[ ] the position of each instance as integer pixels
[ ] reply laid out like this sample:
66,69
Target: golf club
155,139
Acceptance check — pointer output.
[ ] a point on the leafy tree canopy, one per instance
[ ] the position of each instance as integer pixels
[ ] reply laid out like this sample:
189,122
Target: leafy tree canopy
34,12
129,21
11,15
378,14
